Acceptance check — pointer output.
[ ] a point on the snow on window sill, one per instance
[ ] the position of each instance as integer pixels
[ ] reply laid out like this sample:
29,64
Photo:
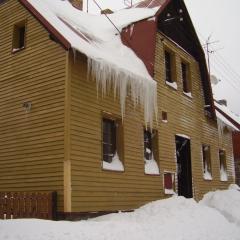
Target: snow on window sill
188,94
165,121
207,176
169,192
151,167
172,85
223,176
116,164
15,50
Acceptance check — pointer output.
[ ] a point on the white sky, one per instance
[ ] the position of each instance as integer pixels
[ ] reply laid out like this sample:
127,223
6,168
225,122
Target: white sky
218,18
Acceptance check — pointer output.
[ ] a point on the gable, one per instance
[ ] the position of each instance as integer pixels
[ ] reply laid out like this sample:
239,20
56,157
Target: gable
53,31
141,37
175,22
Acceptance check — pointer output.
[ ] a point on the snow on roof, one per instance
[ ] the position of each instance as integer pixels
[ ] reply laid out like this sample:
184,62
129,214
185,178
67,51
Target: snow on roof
109,61
149,4
231,114
224,120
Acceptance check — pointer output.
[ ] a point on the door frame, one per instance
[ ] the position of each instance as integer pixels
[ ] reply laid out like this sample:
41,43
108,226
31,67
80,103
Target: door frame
188,179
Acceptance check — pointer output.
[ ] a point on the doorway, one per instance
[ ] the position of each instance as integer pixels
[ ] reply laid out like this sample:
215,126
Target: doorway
184,166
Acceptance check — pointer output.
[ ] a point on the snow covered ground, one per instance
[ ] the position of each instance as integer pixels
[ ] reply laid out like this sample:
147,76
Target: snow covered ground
216,217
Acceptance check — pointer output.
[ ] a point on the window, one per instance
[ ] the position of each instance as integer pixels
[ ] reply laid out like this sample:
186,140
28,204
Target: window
223,165
19,36
186,78
111,145
151,152
206,157
164,117
168,67
169,60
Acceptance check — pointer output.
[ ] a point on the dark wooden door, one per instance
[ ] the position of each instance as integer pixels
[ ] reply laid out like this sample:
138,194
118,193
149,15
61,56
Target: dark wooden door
184,167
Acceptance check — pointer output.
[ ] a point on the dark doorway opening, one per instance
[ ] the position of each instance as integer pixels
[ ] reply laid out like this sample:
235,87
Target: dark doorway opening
184,167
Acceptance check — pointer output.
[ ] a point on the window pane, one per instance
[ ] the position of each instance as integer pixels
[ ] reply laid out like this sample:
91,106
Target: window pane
207,169
21,37
147,145
223,165
184,77
109,140
168,70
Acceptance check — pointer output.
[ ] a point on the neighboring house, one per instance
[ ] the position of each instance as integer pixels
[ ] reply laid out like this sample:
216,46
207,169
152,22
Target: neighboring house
233,121
236,150
124,141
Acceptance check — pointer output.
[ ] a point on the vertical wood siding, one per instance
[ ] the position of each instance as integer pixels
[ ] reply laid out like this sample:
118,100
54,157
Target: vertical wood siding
31,144
94,189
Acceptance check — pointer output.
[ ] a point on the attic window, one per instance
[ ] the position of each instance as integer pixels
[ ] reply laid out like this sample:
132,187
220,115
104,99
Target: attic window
168,67
170,74
19,36
186,78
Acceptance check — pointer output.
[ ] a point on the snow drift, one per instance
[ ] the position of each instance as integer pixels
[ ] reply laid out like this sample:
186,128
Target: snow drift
227,202
175,218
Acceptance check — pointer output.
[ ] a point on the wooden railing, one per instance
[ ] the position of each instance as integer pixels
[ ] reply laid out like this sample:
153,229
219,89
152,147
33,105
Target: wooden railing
28,205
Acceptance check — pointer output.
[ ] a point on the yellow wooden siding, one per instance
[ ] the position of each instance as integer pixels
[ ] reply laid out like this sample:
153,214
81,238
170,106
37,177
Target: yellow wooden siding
94,189
31,144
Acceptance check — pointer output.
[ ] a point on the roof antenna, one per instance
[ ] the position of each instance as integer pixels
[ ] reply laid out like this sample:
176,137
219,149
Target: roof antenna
208,51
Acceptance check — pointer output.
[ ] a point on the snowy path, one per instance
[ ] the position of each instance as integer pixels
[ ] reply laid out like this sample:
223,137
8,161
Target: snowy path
176,218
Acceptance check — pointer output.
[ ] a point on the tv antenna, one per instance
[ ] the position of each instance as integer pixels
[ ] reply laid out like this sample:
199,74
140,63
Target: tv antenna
209,51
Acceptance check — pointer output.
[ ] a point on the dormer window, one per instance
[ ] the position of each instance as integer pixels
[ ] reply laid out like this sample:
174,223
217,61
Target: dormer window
19,36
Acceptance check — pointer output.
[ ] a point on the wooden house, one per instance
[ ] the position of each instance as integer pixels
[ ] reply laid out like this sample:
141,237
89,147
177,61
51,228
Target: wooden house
58,132
236,150
234,120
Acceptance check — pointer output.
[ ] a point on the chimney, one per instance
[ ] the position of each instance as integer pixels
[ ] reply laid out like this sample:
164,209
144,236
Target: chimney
77,4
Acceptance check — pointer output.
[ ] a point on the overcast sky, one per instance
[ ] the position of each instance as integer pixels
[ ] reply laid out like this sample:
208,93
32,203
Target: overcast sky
218,19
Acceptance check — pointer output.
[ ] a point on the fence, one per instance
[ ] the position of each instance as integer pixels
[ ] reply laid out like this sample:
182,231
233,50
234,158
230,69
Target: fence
28,205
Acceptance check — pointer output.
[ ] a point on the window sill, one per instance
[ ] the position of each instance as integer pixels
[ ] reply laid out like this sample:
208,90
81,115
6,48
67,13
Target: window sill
169,192
111,170
16,50
207,179
173,85
152,174
223,180
189,95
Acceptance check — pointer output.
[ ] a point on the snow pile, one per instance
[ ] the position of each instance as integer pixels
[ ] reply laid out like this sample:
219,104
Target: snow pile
112,64
176,218
226,202
115,165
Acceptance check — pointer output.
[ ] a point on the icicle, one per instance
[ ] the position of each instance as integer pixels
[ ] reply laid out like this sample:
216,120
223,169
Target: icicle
221,126
143,91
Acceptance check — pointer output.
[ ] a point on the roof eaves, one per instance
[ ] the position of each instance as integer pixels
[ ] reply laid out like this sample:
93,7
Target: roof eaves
61,39
236,124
